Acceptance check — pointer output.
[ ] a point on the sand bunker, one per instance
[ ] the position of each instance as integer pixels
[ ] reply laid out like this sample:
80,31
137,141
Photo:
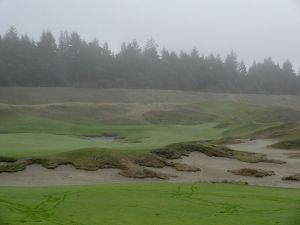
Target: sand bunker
209,169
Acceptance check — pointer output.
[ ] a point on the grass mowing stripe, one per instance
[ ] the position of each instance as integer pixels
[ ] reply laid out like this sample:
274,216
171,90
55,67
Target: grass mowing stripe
176,204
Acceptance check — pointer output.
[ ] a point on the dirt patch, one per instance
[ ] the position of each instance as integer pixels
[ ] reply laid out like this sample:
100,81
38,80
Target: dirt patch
249,172
295,177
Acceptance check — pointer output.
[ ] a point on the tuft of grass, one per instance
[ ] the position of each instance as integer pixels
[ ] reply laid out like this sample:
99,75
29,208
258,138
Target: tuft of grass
295,177
14,166
281,130
250,172
291,144
176,151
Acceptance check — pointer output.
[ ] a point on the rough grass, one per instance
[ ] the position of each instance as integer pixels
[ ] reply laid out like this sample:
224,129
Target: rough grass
295,177
46,95
175,151
187,114
148,204
291,144
281,130
250,172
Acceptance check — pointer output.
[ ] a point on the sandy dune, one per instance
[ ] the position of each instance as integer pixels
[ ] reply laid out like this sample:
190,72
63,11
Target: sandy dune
215,169
212,169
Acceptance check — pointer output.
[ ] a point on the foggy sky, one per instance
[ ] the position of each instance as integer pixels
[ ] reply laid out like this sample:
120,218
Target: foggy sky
254,29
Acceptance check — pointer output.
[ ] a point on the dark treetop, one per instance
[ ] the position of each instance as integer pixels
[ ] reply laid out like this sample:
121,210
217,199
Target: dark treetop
73,62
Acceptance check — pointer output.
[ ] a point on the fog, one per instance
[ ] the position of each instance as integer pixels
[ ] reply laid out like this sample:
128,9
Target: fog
254,29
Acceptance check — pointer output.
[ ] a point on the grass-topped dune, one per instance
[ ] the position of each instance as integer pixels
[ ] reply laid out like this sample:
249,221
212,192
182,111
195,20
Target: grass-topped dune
288,144
134,165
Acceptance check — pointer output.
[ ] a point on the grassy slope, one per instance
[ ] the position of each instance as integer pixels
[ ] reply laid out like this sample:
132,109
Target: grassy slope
24,135
148,204
33,136
28,131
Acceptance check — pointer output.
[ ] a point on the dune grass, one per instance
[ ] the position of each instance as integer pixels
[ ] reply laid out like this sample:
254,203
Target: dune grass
148,204
291,144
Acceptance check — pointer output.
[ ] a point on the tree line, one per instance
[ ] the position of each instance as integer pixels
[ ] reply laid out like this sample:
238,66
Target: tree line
71,61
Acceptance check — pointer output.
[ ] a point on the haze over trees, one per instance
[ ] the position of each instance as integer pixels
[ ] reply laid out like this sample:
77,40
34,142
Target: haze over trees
73,62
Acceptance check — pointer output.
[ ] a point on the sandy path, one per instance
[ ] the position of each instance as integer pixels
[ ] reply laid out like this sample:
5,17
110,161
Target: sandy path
212,169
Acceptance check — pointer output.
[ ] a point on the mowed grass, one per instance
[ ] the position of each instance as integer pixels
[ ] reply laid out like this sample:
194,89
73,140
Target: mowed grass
33,136
150,204
132,139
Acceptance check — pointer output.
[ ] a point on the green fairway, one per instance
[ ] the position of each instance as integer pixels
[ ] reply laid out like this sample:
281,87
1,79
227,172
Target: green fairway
150,204
46,137
42,130
132,138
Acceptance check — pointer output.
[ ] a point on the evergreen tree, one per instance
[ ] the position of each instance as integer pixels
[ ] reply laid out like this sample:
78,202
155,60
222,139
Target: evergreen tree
49,73
75,62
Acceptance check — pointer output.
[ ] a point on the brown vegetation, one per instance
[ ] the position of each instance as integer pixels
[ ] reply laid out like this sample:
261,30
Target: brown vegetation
291,144
176,151
252,172
295,177
278,131
185,167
